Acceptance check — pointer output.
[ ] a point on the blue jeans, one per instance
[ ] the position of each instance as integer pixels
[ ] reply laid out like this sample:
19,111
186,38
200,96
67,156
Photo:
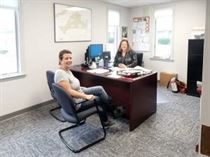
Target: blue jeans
102,98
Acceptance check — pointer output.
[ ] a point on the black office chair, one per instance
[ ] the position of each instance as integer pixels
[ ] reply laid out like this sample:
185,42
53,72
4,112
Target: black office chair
50,81
139,58
77,117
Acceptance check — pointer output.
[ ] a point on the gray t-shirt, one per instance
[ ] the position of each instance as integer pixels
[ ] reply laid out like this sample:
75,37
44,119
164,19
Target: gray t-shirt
61,75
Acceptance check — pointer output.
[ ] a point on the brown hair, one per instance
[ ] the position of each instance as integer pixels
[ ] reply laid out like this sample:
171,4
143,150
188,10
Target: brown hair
61,53
128,49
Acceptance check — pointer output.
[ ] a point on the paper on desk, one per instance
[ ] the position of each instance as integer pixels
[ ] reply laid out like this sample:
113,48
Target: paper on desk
114,68
98,71
114,76
143,69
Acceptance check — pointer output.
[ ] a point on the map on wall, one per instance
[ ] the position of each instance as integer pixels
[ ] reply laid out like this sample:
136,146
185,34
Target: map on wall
140,32
72,23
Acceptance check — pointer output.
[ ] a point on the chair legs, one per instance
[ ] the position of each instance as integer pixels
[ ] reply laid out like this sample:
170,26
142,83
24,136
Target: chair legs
85,147
54,116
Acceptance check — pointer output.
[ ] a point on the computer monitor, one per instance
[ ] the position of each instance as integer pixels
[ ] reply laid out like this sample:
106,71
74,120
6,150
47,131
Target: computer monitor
95,50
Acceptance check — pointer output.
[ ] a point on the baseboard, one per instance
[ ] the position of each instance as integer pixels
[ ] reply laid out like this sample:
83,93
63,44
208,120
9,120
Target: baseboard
205,140
10,115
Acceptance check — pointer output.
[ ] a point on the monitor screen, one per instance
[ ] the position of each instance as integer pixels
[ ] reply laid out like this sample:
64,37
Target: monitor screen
95,50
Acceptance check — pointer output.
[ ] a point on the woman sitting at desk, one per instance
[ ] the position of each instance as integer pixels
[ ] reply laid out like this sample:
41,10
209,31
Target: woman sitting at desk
125,56
65,78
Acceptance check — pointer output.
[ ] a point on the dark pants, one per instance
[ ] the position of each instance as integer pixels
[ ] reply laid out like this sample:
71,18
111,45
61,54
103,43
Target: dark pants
101,97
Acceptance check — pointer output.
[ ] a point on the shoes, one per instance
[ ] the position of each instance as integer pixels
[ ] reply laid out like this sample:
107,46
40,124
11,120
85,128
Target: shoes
108,123
119,111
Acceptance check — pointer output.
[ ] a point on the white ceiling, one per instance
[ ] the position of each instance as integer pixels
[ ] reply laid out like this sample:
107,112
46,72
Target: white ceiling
135,3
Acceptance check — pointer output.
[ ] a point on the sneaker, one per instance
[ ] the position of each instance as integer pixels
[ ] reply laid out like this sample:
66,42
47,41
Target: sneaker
108,123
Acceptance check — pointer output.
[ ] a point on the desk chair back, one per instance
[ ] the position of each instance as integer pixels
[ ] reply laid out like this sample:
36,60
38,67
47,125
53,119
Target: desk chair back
50,80
67,104
139,59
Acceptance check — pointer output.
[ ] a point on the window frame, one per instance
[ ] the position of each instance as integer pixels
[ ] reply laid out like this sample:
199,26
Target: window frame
18,73
117,29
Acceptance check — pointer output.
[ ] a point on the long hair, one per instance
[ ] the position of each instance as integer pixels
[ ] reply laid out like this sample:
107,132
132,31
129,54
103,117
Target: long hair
128,49
61,53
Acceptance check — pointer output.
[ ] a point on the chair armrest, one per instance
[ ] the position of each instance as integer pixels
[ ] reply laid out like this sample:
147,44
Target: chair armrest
87,104
81,102
94,101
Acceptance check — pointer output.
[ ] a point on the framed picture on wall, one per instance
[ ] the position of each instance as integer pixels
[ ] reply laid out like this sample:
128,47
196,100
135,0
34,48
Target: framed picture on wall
124,32
71,23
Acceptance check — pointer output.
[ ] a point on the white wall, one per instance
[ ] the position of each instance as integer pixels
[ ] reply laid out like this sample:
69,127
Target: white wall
39,52
205,98
187,15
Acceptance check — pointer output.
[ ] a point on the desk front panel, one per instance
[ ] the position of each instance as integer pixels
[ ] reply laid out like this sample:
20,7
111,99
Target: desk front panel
144,99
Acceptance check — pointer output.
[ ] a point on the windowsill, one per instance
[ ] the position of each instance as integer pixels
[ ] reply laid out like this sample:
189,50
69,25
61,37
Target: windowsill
11,76
161,59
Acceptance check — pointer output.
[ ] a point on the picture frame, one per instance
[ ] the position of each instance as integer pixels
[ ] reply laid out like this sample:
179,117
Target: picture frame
72,23
124,32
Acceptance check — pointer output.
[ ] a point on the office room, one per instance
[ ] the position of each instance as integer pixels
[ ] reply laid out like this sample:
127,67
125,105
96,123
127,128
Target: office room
179,125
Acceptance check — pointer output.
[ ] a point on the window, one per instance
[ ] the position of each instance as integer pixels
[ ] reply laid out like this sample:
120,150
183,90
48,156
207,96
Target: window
113,32
9,41
163,34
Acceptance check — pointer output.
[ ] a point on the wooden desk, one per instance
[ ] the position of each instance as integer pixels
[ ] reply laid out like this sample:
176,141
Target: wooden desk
137,95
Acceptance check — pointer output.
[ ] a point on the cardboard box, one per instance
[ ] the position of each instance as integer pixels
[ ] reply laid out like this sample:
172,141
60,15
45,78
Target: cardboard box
166,77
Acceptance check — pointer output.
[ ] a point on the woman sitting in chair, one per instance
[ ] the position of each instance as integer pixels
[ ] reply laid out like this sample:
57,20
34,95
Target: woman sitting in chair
65,78
125,56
